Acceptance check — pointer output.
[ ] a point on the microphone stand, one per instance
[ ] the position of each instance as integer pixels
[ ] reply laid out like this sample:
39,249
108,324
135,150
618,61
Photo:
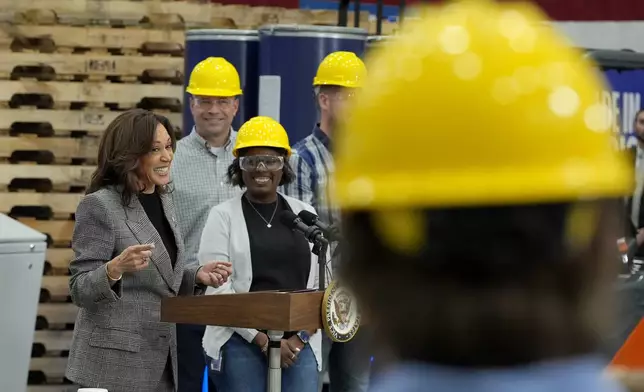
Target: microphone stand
320,248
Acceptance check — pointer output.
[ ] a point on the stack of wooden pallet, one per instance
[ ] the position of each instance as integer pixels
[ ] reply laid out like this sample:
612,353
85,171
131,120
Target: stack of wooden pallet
67,67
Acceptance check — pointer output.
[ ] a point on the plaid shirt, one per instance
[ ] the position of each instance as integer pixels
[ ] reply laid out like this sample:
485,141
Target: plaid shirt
312,162
199,177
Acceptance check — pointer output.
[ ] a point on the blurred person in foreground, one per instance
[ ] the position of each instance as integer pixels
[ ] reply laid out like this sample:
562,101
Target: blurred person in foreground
199,179
339,76
499,223
128,256
266,255
634,210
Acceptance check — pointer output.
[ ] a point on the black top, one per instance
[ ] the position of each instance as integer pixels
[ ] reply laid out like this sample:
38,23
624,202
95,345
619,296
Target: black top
153,207
280,257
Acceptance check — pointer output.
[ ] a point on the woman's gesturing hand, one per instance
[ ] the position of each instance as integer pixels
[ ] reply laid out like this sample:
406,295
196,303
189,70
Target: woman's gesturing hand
214,273
133,258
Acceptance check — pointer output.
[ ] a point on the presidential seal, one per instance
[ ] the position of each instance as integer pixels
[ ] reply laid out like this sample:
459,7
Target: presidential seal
340,314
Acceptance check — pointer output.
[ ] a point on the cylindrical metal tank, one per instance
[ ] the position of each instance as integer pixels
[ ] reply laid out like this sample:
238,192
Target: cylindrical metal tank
289,56
241,49
377,40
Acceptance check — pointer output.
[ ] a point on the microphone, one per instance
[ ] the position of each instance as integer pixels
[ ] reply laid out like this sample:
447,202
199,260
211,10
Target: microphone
294,222
313,235
330,231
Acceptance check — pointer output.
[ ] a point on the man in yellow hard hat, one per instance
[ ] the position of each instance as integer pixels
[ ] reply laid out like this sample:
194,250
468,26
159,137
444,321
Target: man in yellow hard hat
481,244
339,76
199,178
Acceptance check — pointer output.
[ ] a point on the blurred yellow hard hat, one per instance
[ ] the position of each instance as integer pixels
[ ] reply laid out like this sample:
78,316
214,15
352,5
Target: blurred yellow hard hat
477,103
262,131
343,69
214,77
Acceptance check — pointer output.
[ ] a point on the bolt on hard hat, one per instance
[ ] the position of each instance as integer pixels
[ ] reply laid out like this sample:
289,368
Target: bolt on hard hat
491,107
262,131
214,77
344,69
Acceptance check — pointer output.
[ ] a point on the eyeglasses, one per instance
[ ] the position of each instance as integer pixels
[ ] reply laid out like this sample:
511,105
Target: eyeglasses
206,103
253,162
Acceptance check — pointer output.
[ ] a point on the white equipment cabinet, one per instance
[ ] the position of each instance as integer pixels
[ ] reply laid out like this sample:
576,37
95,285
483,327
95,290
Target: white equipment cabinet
22,258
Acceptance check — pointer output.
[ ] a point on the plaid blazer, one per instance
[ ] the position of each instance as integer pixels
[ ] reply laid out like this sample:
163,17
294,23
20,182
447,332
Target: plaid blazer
118,342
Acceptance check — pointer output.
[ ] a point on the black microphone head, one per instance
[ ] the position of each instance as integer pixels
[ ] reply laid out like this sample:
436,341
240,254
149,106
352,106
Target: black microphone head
308,217
288,219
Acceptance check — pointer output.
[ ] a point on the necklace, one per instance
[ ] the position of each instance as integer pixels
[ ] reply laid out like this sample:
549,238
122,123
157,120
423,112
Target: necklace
268,223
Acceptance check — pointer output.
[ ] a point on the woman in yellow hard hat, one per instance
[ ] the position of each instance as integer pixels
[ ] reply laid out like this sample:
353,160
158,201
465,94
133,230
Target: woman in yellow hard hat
485,256
266,255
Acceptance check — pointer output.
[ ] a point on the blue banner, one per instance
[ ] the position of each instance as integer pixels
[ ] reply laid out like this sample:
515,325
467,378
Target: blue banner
625,99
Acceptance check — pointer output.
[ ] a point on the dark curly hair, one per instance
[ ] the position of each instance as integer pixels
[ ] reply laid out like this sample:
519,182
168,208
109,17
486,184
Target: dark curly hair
235,176
127,138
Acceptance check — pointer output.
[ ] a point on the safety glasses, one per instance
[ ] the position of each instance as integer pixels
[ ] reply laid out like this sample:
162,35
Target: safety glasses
266,162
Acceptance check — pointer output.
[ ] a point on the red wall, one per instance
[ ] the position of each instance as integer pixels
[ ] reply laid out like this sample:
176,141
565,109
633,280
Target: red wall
264,3
580,9
593,9
557,9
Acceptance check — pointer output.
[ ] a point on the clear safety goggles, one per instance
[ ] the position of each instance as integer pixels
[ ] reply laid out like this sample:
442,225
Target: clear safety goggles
267,162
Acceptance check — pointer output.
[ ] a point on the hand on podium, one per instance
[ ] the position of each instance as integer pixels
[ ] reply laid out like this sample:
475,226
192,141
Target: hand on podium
214,274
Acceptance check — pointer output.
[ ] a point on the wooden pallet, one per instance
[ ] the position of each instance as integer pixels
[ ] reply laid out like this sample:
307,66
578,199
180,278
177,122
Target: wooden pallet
51,39
175,14
52,388
52,341
59,232
93,66
56,315
45,122
48,150
58,204
47,369
54,289
66,94
57,260
44,176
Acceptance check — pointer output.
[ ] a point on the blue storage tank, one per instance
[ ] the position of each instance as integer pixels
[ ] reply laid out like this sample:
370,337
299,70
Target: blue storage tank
289,56
241,49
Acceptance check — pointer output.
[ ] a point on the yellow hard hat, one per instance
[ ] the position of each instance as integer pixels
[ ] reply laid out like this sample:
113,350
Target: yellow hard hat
262,131
489,105
214,77
343,69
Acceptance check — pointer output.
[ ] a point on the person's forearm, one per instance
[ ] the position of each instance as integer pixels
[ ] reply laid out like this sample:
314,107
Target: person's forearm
88,288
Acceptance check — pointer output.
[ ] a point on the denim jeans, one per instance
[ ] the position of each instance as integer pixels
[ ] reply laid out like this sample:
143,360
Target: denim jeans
244,368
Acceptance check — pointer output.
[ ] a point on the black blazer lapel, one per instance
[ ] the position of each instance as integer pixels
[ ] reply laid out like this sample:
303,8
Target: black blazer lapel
145,233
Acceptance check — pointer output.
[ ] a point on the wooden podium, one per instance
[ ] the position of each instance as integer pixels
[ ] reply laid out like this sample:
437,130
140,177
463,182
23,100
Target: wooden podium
274,311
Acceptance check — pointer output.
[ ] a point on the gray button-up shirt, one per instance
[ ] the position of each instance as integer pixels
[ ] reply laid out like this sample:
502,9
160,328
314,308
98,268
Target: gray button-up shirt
199,179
